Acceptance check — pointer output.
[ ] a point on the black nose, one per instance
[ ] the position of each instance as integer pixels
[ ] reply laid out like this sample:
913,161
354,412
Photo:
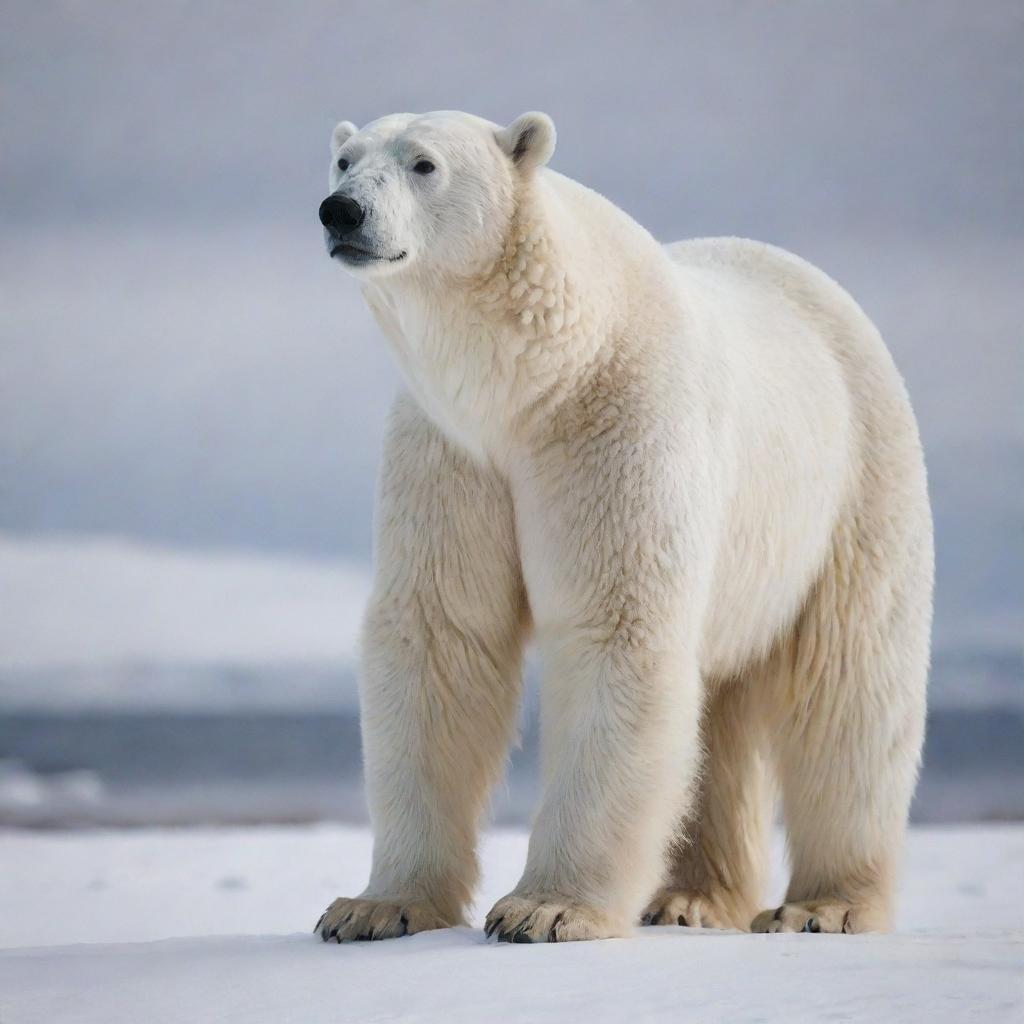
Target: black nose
340,215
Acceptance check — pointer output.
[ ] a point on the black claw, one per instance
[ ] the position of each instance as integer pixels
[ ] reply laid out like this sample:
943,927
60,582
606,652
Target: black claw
520,936
778,914
404,922
333,933
681,921
645,920
512,934
493,927
846,923
812,924
552,931
316,927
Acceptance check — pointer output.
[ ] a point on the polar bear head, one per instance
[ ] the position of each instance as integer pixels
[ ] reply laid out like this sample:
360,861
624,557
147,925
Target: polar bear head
428,192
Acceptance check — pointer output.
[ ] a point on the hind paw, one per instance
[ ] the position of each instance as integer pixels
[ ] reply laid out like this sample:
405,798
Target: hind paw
690,909
835,917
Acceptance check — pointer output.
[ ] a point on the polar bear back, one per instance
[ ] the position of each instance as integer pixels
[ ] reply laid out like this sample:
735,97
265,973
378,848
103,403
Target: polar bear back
809,388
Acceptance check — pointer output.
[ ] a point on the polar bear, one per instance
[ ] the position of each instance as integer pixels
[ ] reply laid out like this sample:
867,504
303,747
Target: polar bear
692,475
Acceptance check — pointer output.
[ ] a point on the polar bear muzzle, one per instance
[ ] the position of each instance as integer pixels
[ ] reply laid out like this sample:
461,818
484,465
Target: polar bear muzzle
342,217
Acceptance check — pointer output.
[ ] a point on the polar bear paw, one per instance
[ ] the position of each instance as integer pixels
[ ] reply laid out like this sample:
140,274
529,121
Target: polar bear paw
548,918
365,920
690,909
829,916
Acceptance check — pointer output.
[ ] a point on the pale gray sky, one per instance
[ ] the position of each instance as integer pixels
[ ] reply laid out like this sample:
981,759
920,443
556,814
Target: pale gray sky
180,363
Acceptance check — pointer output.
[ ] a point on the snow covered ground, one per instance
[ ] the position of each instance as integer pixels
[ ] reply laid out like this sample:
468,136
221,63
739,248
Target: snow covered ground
213,925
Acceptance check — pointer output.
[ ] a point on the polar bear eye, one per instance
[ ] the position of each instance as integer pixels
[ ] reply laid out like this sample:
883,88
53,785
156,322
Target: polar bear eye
423,167
342,164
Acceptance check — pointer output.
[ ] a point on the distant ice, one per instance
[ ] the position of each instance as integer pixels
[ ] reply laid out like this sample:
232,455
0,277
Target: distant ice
22,788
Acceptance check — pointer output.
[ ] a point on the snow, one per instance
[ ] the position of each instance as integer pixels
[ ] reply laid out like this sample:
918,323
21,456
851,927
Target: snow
213,925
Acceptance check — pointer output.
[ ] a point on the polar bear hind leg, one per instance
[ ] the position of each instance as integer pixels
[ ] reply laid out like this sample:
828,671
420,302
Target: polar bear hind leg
717,866
850,695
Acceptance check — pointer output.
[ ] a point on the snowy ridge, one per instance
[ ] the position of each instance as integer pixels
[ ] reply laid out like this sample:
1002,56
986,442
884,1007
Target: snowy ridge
97,601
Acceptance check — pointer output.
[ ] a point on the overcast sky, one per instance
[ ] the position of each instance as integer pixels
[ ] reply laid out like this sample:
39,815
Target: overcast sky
699,117
180,363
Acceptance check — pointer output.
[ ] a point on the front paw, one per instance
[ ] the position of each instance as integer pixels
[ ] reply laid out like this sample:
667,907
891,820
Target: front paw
366,920
548,918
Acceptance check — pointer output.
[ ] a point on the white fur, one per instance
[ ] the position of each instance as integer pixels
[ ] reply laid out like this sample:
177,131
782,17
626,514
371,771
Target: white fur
693,470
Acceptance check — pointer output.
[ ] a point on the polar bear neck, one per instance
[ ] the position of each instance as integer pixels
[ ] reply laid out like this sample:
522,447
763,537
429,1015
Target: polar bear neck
489,355
528,288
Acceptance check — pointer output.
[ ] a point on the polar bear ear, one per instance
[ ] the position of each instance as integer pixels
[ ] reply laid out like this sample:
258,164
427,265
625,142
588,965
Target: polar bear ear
529,140
343,131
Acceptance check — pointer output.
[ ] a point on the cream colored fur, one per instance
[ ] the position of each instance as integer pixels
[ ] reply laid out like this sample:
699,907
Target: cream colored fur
693,472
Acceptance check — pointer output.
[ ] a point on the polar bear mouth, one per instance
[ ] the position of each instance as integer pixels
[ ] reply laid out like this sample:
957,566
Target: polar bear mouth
354,254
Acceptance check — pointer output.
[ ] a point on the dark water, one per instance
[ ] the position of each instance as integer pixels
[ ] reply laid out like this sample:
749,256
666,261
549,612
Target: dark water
123,769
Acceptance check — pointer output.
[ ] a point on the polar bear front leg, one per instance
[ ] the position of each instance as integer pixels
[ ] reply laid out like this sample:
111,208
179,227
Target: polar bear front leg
440,680
616,573
622,747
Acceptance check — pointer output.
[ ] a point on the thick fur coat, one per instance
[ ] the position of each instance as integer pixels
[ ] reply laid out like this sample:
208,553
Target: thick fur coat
692,474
